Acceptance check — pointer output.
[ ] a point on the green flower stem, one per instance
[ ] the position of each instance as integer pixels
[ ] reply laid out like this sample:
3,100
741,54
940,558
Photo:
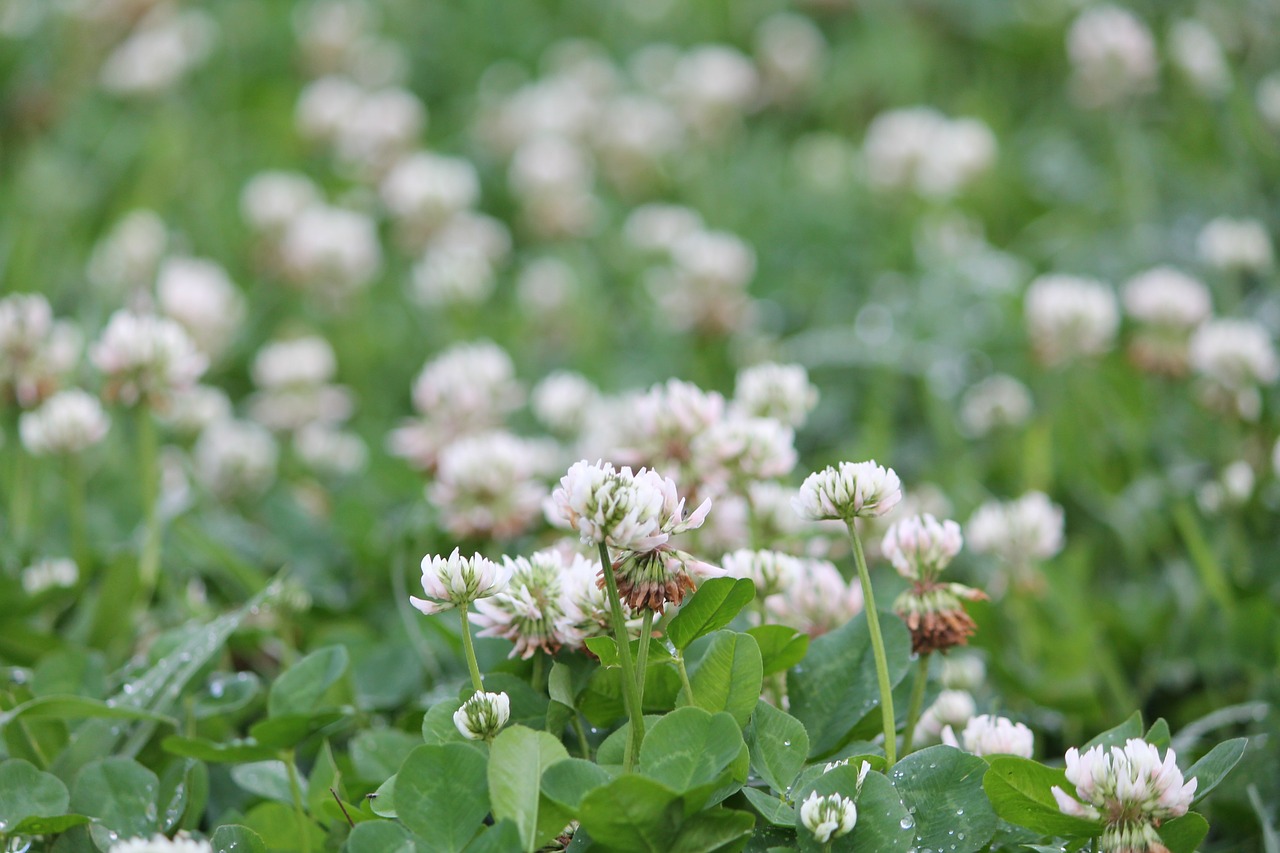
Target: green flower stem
149,472
20,495
917,702
635,710
583,744
75,512
1202,557
642,658
538,678
877,646
684,677
470,649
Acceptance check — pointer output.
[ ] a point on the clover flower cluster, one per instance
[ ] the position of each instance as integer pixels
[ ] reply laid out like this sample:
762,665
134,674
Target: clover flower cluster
986,734
828,817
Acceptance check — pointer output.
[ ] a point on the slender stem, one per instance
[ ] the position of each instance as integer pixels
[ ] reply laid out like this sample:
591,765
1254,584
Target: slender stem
149,472
299,811
629,692
20,495
75,512
684,677
470,649
642,658
877,646
1202,557
917,702
538,678
583,743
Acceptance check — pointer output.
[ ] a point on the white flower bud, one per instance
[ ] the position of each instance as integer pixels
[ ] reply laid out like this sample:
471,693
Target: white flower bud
456,581
920,547
483,715
828,817
988,735
855,489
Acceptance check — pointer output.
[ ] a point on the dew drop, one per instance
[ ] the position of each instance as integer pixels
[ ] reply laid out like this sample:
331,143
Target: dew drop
907,822
959,812
786,743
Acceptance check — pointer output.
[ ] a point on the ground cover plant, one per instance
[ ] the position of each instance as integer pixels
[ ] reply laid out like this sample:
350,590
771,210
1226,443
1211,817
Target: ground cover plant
639,427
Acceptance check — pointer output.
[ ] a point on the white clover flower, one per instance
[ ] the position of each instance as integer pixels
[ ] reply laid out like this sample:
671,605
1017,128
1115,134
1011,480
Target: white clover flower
380,127
706,285
424,190
563,401
1068,316
1113,56
130,253
235,459
1236,354
160,844
713,86
995,402
468,386
772,572
69,422
330,251
1165,296
742,449
988,735
487,485
828,817
456,581
920,547
326,450
307,360
817,600
790,51
780,391
272,200
538,608
626,511
194,408
200,295
483,715
963,672
146,357
449,276
1020,531
952,708
325,105
854,489
919,149
635,133
48,573
159,52
546,286
36,351
662,423
1199,56
1130,788
1235,245
553,177
657,227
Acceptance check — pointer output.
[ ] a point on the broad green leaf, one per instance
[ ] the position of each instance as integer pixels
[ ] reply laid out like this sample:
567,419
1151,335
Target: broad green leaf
709,609
1019,791
603,648
770,807
1184,834
729,676
1158,734
290,730
379,836
518,757
233,838
121,793
282,829
49,825
835,686
215,752
442,795
632,814
225,693
781,647
612,750
184,793
688,750
502,837
269,779
377,754
843,780
601,702
560,684
438,725
27,792
1117,736
714,830
779,745
942,788
567,782
881,815
1210,770
325,777
78,708
382,802
301,689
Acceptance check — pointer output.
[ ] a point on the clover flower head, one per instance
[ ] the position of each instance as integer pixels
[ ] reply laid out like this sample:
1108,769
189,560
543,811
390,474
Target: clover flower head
146,357
920,547
989,735
854,489
65,424
779,391
770,571
828,817
817,599
483,715
1019,531
536,610
159,844
456,581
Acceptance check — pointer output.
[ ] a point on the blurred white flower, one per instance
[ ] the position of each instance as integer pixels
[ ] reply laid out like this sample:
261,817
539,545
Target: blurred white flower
999,401
1198,54
330,251
546,287
487,485
1165,296
920,149
1068,317
635,133
49,573
1130,788
736,450
705,288
666,419
1235,245
780,391
422,191
952,708
1234,356
483,715
66,423
963,672
563,402
828,817
817,600
772,572
713,86
326,450
200,295
36,351
325,105
920,546
456,581
192,409
1267,98
790,51
537,610
271,201
553,179
307,360
159,844
146,358
235,459
446,276
657,227
989,735
467,387
854,489
1113,56
128,256
160,51
379,128
1019,531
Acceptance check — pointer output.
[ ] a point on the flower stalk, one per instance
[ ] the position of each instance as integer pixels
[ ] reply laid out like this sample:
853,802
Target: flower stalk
916,704
877,647
149,470
630,689
469,649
